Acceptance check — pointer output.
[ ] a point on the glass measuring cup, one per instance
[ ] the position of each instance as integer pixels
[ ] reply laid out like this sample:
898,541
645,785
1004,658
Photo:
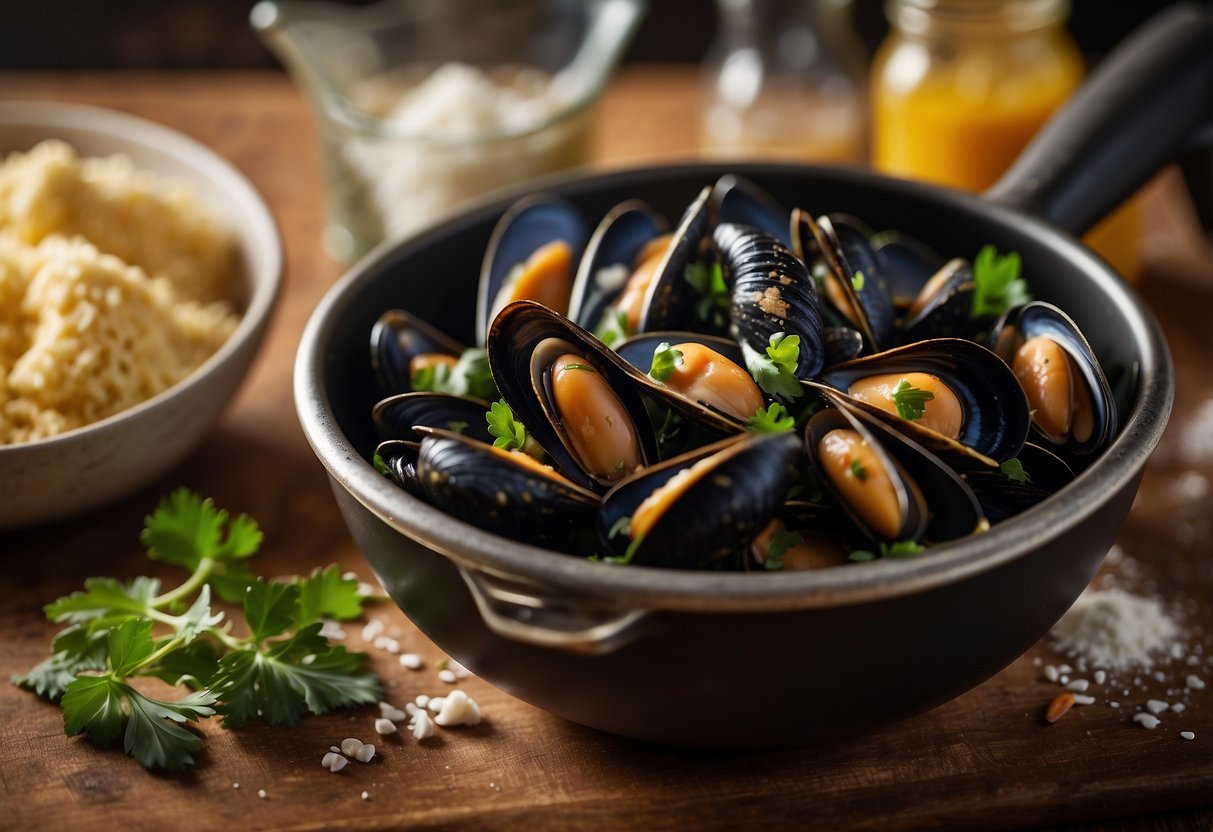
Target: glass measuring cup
423,104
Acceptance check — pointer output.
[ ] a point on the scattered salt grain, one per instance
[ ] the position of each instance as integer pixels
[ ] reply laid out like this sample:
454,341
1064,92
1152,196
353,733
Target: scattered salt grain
387,643
435,704
373,629
410,660
412,708
422,726
459,670
1113,704
1114,629
366,795
334,749
1065,668
1051,673
1187,735
1194,682
1083,699
261,794
332,630
235,785
333,762
1100,677
1147,720
422,700
458,709
384,726
1065,680
388,711
1078,684
447,676
1178,707
350,746
1157,706
365,754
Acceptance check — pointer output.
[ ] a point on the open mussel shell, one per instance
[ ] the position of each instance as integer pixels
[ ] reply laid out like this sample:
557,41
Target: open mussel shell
501,491
996,420
1044,319
530,223
610,257
772,293
818,245
397,338
397,459
523,341
944,306
396,416
738,200
841,343
729,492
670,300
907,265
1002,495
856,255
934,503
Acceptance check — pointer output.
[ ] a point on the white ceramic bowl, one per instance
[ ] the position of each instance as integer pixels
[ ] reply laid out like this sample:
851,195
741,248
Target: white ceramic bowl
84,468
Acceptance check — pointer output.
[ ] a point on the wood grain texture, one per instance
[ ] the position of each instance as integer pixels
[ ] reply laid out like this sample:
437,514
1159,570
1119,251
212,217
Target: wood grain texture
985,760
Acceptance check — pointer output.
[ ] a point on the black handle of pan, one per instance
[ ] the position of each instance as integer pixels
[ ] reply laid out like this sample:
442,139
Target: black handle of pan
1144,106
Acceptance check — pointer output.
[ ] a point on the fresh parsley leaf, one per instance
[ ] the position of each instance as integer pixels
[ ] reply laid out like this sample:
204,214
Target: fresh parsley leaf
192,665
93,704
129,644
714,301
774,418
1014,470
155,741
775,370
325,593
104,597
509,431
613,327
665,360
857,281
911,402
74,650
780,543
431,378
269,608
997,285
198,618
861,556
469,376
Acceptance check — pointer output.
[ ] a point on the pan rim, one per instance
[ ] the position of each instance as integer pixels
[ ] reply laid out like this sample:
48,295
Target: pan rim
655,589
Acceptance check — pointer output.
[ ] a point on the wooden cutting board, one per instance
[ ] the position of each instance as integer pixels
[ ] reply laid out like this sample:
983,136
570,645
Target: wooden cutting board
986,760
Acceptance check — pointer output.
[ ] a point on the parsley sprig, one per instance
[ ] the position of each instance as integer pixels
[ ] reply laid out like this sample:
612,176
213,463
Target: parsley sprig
775,369
665,360
774,418
1015,472
911,401
714,301
119,631
780,543
997,285
613,327
509,432
898,550
469,377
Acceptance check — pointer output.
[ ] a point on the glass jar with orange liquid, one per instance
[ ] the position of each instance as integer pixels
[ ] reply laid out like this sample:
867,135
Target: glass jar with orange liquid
959,88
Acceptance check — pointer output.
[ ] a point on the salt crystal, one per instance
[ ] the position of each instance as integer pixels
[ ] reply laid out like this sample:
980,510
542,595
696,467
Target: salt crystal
366,795
235,785
391,712
364,754
1100,677
1178,707
1195,682
373,628
1146,720
333,762
410,660
1187,735
261,794
422,700
422,726
350,746
458,709
1114,629
1078,684
1157,706
384,726
447,676
1083,699
1051,673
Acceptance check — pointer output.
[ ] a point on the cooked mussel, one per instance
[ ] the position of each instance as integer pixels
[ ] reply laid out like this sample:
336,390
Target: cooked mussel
396,416
403,345
700,507
397,459
952,395
894,489
531,255
669,302
1072,405
1020,483
507,492
577,398
738,200
772,295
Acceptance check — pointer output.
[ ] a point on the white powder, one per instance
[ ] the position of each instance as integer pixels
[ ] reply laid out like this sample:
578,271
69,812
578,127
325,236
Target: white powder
1114,629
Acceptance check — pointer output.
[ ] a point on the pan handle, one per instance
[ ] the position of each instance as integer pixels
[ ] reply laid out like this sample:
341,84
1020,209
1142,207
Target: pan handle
526,612
1143,107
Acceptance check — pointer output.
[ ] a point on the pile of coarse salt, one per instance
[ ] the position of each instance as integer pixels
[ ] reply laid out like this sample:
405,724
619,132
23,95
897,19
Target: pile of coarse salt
1124,641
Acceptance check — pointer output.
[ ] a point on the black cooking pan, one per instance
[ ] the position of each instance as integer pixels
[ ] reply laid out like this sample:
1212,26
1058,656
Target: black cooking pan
745,660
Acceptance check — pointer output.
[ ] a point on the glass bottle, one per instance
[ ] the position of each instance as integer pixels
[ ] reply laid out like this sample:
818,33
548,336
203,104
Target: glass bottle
959,87
784,78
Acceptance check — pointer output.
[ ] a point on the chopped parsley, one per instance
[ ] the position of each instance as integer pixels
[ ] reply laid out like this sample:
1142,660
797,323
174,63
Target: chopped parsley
775,369
470,376
714,297
622,526
665,360
858,471
857,281
900,550
780,543
1014,470
509,432
613,327
997,285
280,670
774,418
911,401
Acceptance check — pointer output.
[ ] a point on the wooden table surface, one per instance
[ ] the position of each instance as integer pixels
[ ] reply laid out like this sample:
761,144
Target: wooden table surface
985,760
